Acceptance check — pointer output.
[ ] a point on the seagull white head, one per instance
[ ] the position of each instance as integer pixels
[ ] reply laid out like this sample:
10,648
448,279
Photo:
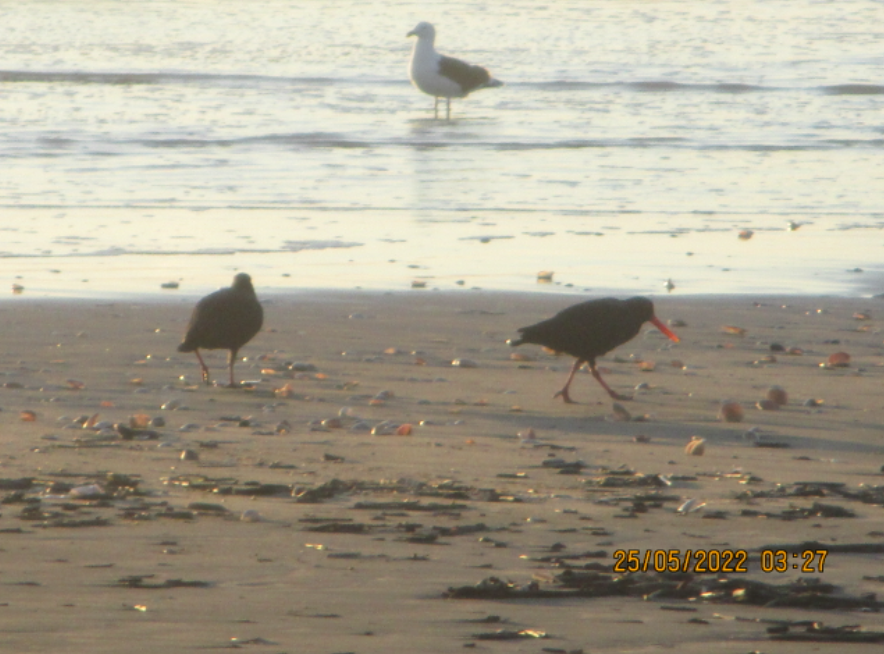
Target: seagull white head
423,30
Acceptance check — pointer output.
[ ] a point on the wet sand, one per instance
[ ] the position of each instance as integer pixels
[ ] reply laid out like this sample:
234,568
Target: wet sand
374,580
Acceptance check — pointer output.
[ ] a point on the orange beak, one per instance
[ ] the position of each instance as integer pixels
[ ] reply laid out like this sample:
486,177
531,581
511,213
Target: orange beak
663,328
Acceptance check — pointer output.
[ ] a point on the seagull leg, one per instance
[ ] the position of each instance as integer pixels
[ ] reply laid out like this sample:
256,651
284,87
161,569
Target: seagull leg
203,366
448,109
598,377
564,392
435,108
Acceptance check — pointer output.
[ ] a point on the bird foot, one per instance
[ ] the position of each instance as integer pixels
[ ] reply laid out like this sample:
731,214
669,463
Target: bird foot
621,398
565,397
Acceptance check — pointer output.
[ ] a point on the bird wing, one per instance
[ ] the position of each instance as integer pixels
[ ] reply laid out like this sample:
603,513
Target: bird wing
469,77
223,319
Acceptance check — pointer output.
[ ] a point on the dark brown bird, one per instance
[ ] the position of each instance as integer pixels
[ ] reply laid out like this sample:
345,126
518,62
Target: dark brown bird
591,329
224,320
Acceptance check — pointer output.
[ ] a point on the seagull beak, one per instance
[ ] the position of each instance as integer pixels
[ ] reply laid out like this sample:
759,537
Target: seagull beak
663,328
411,33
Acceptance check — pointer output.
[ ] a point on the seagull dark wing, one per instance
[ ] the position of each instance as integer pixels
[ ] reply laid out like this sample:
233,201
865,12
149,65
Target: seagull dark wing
469,77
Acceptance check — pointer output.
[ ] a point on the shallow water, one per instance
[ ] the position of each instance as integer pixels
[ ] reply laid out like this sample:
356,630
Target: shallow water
150,142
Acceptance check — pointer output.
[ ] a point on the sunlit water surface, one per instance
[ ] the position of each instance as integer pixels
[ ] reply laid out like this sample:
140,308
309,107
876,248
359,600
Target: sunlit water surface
148,142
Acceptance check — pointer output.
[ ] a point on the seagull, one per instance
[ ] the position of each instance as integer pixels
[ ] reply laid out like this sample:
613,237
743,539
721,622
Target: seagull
441,76
224,320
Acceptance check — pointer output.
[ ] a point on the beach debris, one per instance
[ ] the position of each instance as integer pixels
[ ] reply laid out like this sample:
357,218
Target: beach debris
322,492
745,234
385,428
27,416
138,581
696,446
815,510
626,478
418,283
18,289
510,634
251,515
837,360
816,632
758,439
641,438
128,433
669,285
88,492
189,455
734,330
545,276
767,405
170,285
689,506
620,414
527,435
730,411
778,395
464,363
806,593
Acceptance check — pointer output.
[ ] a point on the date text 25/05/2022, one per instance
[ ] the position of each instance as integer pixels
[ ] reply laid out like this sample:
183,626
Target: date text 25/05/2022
715,561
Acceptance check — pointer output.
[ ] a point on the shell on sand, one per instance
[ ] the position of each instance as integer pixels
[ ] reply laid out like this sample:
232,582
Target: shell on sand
730,412
778,395
696,446
189,455
690,506
838,360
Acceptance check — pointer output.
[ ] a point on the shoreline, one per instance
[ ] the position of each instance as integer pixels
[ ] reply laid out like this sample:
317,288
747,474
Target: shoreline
542,292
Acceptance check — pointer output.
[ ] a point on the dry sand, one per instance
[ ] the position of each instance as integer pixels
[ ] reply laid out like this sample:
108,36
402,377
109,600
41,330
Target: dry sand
277,587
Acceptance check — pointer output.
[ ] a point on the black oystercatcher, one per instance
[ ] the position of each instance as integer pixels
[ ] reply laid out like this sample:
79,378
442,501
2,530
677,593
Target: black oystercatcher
589,330
224,320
